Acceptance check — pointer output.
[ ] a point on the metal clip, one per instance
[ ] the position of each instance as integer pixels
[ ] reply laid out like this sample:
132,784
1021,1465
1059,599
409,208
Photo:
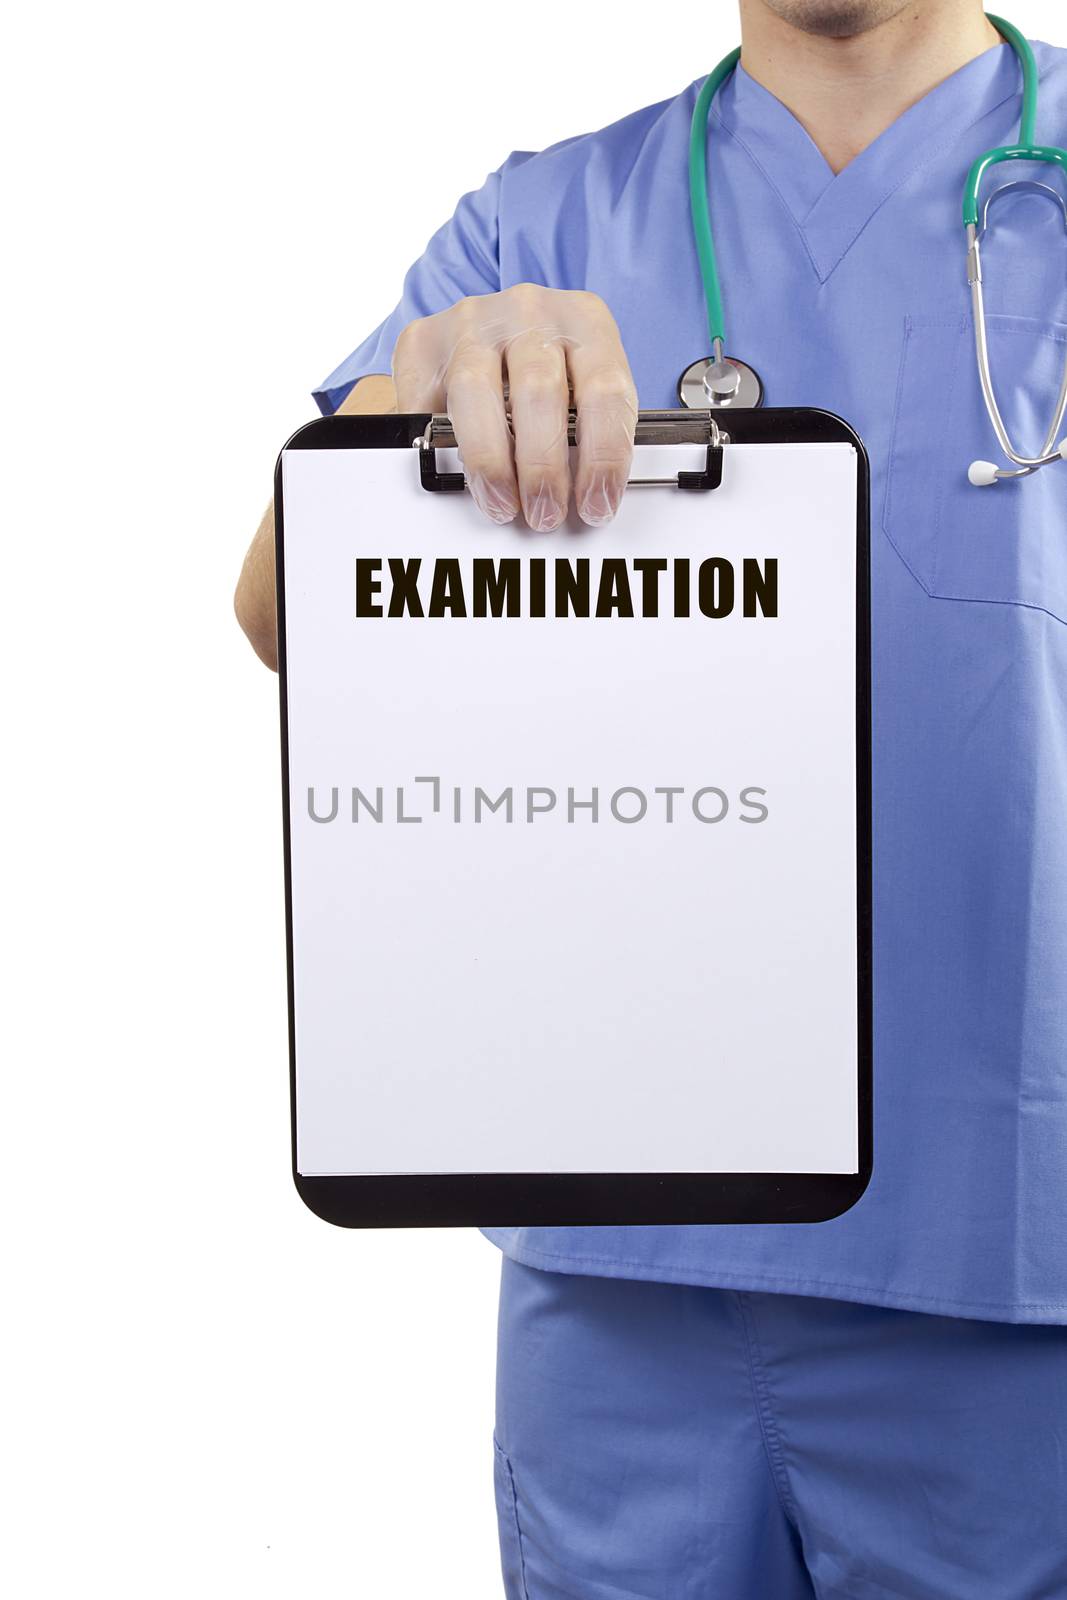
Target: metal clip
653,427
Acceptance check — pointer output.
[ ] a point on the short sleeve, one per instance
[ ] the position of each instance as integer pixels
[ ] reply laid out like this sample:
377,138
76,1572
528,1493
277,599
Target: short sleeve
462,258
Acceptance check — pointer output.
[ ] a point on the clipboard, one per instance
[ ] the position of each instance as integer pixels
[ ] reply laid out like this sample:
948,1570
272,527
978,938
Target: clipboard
577,831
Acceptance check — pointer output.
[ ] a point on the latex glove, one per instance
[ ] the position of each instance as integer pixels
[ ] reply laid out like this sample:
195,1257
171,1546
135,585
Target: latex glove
540,341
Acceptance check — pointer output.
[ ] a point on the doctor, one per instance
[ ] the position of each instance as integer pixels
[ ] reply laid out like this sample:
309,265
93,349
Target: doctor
874,1406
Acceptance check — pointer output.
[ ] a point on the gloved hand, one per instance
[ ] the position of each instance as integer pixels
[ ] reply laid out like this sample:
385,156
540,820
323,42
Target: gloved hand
539,341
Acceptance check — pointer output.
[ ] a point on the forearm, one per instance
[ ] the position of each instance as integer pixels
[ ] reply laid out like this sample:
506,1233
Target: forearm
254,598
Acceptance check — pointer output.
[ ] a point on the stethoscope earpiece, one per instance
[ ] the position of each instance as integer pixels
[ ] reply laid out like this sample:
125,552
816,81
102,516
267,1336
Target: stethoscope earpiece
982,473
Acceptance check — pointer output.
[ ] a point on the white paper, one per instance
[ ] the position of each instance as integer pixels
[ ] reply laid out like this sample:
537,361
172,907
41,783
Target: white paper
556,995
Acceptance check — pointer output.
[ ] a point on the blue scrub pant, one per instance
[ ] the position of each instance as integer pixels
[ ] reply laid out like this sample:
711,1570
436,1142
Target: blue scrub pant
666,1442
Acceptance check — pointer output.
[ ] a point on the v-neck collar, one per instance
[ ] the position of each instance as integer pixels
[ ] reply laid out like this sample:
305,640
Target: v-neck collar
831,210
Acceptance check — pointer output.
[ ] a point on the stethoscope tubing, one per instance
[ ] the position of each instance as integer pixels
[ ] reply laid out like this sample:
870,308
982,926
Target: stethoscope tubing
698,199
1048,452
1025,150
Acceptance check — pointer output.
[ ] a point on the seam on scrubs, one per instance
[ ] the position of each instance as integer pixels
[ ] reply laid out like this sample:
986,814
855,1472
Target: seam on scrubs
769,181
999,600
894,428
506,1462
938,506
935,149
761,1401
910,324
822,1288
976,600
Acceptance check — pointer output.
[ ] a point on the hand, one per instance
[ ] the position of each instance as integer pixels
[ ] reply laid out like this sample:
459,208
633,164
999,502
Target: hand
543,342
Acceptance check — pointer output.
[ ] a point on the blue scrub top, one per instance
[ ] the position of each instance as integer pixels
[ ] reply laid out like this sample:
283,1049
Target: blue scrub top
850,293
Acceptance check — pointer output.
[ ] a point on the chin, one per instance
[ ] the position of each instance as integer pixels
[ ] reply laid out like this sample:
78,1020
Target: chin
836,19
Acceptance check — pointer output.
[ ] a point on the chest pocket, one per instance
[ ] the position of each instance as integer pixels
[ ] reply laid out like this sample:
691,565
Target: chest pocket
1006,543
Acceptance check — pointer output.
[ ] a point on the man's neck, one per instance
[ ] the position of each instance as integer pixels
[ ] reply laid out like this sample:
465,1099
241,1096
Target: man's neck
846,91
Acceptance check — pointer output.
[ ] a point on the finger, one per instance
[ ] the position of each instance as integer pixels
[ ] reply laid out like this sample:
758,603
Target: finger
474,399
537,385
419,367
606,405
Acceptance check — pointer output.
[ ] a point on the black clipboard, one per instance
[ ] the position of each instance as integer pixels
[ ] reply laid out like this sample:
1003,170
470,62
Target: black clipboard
566,1198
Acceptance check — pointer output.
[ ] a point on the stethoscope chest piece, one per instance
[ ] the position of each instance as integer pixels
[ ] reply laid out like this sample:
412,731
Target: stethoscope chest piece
720,383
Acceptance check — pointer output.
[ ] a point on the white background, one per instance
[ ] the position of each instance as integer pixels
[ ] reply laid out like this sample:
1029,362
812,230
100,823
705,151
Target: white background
210,1392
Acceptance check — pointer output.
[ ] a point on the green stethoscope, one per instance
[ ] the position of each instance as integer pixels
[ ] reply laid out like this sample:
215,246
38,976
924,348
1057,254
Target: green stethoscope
720,380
